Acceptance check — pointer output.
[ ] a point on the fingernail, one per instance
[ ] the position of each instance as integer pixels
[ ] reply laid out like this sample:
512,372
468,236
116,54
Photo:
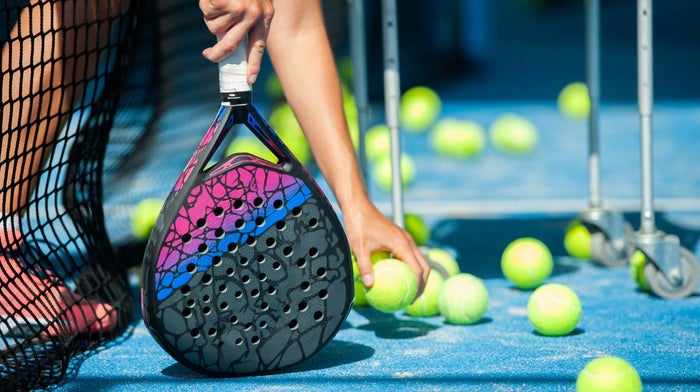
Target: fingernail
367,280
253,78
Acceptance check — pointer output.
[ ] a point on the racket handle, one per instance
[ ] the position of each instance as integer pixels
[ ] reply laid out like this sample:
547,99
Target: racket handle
232,70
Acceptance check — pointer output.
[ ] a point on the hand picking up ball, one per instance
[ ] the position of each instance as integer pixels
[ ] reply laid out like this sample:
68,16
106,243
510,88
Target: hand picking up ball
395,286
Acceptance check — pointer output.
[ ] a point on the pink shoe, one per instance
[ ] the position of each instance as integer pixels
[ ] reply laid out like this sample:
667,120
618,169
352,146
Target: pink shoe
30,304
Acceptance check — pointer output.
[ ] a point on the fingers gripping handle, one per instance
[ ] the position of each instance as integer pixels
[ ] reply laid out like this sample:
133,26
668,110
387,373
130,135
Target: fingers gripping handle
232,71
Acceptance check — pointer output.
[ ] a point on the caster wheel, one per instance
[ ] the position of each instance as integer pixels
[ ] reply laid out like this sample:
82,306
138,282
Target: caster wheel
660,286
607,253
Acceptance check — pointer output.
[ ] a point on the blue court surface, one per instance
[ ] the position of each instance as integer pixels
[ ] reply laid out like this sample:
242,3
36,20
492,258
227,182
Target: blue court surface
476,207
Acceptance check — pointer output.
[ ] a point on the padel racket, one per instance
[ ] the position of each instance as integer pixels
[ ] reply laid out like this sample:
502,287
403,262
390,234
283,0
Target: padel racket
248,268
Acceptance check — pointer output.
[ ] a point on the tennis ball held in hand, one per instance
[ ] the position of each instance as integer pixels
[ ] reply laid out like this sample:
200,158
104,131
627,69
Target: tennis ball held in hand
395,286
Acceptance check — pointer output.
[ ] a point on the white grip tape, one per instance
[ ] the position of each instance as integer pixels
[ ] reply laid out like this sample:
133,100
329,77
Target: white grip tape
232,71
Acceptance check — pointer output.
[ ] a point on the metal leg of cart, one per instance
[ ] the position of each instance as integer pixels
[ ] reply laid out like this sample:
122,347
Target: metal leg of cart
392,96
392,91
358,51
609,231
671,271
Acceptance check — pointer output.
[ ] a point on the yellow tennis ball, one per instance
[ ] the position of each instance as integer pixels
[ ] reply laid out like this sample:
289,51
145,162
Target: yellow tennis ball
513,134
345,69
144,217
351,117
457,138
554,309
282,117
419,108
426,304
608,374
577,240
273,88
284,122
573,100
395,286
443,261
637,263
527,262
374,257
417,228
298,145
383,169
251,145
377,142
360,289
379,255
463,299
354,131
349,105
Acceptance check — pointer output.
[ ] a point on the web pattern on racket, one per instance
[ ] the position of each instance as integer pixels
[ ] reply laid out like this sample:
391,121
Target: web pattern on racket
250,277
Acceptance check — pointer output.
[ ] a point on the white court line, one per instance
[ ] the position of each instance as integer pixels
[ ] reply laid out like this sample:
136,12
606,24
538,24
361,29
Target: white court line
470,208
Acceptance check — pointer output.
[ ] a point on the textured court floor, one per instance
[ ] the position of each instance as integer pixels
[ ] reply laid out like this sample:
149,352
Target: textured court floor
475,208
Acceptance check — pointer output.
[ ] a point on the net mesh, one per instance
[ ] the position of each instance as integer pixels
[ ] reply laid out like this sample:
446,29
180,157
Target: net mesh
103,102
62,292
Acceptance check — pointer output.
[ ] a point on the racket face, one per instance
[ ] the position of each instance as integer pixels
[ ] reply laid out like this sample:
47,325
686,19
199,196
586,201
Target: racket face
247,270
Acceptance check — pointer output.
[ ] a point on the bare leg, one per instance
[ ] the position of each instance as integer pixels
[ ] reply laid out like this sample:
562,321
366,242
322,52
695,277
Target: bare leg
52,53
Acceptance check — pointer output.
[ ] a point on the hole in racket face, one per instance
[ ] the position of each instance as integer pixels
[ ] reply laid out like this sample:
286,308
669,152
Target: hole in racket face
255,287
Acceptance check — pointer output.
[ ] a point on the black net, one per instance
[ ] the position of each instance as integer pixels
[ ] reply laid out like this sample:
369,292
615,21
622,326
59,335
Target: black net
62,292
103,102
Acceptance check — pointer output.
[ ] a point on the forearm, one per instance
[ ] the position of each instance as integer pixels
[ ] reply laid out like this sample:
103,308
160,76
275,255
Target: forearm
304,62
303,59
